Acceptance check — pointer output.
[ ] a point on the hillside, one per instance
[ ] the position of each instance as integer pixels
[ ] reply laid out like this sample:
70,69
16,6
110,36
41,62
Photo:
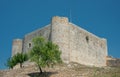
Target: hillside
63,70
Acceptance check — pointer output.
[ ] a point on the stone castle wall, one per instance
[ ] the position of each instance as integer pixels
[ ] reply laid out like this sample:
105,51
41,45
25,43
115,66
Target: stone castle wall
76,44
27,41
87,48
60,35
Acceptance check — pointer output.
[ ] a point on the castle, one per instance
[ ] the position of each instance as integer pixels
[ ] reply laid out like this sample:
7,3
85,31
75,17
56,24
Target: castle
76,44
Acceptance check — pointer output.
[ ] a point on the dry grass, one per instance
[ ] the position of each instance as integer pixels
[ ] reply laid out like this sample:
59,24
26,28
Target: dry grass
63,70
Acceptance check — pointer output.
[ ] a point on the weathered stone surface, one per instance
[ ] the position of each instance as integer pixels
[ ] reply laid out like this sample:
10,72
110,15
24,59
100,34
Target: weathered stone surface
76,44
27,41
115,62
87,48
60,36
16,46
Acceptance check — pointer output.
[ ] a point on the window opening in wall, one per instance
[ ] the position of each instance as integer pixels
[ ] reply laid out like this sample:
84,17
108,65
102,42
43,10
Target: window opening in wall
30,45
87,39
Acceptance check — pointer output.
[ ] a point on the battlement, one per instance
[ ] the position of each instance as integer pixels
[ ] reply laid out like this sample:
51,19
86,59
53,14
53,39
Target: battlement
62,20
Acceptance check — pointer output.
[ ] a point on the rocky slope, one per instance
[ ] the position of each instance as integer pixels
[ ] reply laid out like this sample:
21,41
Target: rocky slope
63,70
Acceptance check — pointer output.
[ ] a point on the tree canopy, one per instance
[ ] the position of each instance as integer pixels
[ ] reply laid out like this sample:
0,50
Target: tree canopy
17,58
44,53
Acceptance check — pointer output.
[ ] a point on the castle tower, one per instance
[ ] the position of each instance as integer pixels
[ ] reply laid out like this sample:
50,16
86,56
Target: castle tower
60,35
17,46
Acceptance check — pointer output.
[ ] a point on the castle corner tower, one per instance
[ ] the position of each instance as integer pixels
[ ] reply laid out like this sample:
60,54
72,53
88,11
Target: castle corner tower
16,46
60,35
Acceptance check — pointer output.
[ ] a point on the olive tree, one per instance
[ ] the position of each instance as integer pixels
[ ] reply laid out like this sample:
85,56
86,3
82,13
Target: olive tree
44,53
17,58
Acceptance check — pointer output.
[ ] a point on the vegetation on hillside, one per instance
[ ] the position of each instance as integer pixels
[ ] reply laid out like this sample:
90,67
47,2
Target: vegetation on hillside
63,70
17,58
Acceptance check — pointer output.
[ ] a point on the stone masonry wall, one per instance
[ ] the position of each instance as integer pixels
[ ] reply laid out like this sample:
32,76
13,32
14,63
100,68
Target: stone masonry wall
16,46
27,41
77,44
87,48
60,36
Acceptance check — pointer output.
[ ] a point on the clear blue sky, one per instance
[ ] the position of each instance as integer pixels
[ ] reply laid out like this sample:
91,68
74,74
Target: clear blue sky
19,17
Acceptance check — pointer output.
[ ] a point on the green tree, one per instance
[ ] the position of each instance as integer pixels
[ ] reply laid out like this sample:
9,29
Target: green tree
44,53
20,58
17,58
10,63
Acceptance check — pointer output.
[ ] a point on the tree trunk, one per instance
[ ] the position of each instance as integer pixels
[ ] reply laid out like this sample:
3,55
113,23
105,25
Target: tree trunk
40,70
20,65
